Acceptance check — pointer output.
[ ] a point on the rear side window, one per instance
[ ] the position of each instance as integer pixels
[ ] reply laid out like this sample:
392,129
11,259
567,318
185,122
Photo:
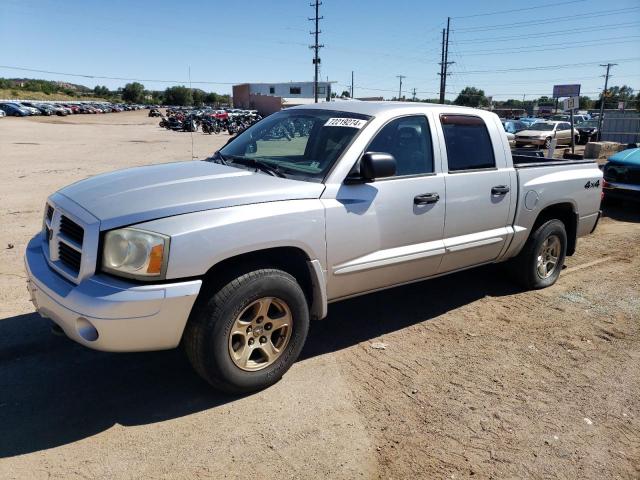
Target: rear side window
468,143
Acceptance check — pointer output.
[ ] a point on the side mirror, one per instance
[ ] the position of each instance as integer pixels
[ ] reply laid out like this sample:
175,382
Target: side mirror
377,165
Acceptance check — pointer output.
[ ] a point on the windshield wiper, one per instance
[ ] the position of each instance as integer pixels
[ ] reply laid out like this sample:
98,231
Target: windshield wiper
218,158
258,165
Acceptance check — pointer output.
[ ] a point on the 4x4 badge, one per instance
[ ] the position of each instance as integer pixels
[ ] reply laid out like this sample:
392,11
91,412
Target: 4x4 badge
591,184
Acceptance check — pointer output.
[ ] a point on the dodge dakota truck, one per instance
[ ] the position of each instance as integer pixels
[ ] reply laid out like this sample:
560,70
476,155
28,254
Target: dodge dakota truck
233,256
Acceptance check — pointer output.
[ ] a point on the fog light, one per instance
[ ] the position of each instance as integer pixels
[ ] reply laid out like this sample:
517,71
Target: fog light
86,330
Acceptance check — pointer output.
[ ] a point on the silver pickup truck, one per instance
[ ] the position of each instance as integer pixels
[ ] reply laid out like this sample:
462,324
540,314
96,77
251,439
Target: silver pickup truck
233,256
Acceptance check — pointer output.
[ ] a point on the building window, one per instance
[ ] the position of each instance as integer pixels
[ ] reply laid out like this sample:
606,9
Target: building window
294,90
272,90
321,90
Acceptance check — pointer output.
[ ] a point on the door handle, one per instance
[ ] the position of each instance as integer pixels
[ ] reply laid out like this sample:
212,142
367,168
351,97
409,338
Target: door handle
500,190
426,198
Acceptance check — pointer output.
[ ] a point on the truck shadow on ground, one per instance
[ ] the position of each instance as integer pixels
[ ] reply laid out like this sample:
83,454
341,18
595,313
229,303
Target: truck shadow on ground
53,391
622,211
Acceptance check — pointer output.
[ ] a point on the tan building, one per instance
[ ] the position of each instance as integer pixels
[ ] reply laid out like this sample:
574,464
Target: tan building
268,98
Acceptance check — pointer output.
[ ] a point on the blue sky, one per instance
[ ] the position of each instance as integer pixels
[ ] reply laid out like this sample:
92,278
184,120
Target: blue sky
229,42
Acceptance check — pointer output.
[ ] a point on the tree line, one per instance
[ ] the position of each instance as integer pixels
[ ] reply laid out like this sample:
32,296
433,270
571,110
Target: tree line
475,97
133,92
178,95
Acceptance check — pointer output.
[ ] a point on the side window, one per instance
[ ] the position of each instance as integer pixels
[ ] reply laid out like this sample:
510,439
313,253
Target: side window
408,139
468,143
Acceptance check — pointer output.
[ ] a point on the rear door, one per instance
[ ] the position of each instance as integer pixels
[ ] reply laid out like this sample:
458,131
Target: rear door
564,132
480,187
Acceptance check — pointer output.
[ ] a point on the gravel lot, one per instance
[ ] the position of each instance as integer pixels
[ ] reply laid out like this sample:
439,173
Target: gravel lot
477,378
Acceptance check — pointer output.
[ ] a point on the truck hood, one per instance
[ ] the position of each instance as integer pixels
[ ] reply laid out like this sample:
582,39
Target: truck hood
135,195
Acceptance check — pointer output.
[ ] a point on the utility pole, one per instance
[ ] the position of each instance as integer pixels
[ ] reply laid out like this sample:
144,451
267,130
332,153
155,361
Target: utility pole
351,83
604,93
442,68
413,99
445,61
316,47
400,91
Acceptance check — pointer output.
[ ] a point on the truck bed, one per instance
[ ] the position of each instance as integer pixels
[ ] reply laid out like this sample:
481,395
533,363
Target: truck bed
526,161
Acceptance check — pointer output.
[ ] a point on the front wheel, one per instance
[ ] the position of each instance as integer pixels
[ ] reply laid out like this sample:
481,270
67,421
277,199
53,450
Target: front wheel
246,335
539,263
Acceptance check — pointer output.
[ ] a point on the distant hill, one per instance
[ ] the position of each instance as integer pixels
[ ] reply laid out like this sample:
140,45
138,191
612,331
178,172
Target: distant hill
37,89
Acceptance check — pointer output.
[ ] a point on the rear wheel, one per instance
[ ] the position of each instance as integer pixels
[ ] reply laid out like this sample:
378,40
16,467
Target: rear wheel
246,335
547,143
539,263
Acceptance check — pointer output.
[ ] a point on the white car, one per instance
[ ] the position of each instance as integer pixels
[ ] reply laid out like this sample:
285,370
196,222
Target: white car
541,134
2,114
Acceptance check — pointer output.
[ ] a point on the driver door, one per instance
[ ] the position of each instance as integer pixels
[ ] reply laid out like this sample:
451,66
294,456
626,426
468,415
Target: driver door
389,231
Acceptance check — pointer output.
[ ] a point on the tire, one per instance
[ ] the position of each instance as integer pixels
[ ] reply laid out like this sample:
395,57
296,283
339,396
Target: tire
547,143
526,268
209,339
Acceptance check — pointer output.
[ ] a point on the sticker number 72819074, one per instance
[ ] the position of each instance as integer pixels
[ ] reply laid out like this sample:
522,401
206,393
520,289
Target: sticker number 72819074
345,122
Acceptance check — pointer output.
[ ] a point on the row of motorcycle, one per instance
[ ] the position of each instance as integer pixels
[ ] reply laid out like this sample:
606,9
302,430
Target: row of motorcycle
208,124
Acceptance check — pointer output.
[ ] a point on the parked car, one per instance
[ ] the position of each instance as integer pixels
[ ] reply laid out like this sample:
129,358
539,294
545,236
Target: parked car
560,118
41,108
14,110
587,131
622,176
530,120
579,119
542,133
2,114
514,126
233,256
31,110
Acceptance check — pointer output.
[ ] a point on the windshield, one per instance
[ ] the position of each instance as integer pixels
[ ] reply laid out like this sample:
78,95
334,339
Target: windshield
547,127
300,144
589,123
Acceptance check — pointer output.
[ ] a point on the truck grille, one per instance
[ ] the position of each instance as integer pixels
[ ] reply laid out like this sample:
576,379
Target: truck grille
69,257
71,230
70,239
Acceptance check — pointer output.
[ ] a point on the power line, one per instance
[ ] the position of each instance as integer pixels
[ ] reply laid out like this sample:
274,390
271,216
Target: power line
520,9
545,67
102,77
579,16
560,46
564,33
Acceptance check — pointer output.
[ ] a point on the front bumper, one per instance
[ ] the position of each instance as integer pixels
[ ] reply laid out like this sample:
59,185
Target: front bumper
622,191
529,141
105,313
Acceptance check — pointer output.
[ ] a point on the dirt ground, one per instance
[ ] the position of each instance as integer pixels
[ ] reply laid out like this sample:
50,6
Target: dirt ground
477,378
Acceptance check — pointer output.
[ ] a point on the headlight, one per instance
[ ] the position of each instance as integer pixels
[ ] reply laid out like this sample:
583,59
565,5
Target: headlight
134,253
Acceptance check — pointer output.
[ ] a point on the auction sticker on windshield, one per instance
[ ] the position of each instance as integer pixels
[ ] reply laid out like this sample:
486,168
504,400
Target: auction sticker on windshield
345,122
